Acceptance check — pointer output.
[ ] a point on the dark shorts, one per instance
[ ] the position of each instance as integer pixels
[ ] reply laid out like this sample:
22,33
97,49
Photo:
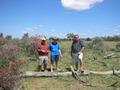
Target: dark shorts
54,58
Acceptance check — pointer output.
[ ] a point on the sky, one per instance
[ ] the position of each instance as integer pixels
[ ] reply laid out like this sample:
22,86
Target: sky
88,18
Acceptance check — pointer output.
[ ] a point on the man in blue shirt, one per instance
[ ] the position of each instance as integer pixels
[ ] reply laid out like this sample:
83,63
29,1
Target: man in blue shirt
55,52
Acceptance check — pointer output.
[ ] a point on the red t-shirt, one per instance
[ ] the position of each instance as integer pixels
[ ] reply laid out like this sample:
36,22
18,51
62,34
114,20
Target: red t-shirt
43,49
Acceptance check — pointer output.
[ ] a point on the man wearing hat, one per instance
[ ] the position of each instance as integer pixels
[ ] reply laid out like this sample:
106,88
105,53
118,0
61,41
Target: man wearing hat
43,51
55,52
77,53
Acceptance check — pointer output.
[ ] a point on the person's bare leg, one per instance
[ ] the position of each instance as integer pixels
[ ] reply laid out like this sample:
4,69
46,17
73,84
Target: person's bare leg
56,63
39,68
77,66
52,63
81,66
45,66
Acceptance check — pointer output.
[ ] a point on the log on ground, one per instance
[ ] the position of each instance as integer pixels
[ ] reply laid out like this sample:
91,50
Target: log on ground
52,74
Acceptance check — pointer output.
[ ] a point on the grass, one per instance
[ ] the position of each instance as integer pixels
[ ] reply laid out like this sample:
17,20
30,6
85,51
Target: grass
70,83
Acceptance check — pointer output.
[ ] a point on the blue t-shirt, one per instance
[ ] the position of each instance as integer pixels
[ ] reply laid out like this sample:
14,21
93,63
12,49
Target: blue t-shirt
54,48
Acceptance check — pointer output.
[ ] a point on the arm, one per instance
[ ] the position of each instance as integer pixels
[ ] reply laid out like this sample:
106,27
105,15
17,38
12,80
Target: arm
82,49
71,49
48,50
60,53
59,50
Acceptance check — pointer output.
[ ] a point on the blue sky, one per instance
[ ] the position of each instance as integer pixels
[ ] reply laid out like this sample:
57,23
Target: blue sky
88,18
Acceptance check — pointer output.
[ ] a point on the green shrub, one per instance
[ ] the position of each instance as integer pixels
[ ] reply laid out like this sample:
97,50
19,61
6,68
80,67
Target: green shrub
98,45
118,46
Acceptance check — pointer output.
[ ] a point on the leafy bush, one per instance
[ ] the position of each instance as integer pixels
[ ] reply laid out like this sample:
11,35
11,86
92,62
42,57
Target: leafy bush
8,74
9,66
8,53
118,46
98,46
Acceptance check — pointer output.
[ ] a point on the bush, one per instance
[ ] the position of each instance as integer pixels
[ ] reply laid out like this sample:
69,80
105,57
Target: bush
9,65
118,46
8,74
8,53
88,39
97,45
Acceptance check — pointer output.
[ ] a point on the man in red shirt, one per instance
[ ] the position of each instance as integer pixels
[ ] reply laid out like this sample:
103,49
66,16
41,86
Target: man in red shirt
43,51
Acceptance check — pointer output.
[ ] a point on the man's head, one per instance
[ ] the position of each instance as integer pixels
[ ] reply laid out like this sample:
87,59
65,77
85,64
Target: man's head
43,39
76,37
55,39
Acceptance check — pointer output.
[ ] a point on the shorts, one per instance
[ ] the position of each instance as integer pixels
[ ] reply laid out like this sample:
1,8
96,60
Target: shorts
42,60
54,58
76,57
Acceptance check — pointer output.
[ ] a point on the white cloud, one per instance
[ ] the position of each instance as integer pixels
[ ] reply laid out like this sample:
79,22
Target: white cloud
29,29
117,29
24,32
80,4
36,27
40,25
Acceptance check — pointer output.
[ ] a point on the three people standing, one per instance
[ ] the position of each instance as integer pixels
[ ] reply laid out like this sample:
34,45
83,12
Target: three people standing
43,49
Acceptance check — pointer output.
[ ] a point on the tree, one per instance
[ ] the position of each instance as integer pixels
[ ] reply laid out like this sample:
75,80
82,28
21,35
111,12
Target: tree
8,37
25,41
70,35
2,39
88,39
25,36
1,35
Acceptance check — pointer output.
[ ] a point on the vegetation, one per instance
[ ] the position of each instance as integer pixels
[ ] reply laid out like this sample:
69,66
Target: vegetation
19,55
9,63
118,46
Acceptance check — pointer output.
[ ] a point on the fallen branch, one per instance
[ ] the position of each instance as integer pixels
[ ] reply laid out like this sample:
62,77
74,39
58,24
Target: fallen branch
52,74
112,72
76,75
109,56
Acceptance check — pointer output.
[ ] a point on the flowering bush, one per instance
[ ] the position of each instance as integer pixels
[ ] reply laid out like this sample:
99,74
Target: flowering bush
9,66
8,53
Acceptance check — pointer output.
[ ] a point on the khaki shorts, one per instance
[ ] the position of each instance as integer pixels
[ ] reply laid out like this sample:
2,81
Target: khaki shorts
42,60
76,57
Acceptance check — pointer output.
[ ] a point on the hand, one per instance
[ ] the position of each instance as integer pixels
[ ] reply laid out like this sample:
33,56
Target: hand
79,52
42,51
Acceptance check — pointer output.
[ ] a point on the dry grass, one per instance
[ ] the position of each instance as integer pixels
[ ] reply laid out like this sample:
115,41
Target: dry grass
69,83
